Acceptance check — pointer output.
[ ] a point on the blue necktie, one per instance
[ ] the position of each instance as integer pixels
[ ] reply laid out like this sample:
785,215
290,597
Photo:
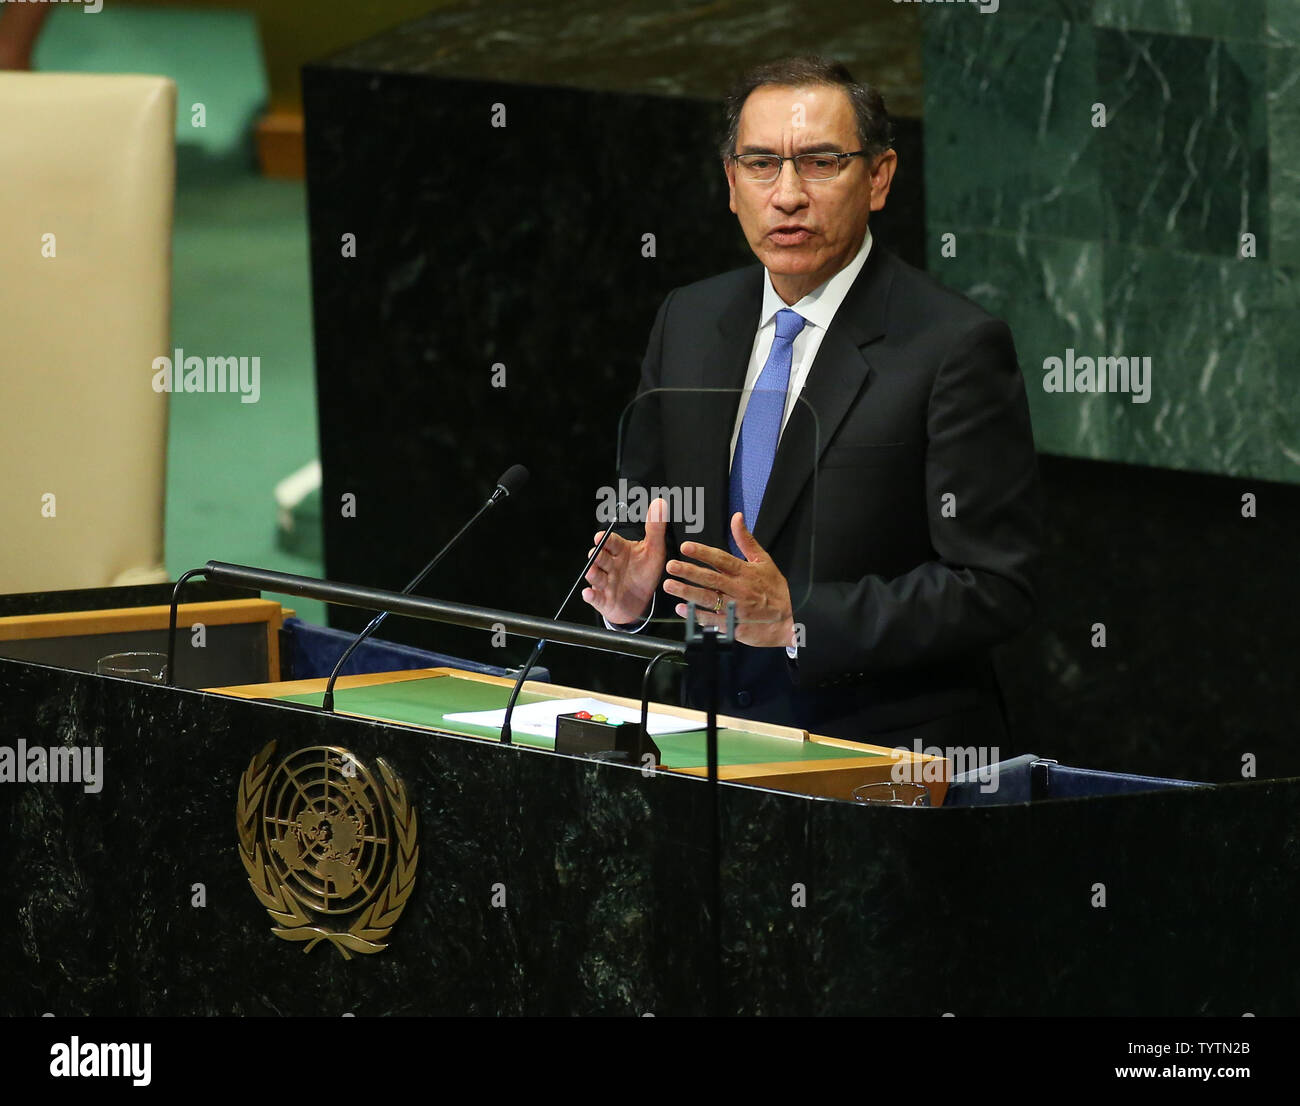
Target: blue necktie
761,428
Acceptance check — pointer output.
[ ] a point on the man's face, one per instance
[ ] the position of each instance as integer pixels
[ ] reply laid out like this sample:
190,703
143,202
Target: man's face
805,232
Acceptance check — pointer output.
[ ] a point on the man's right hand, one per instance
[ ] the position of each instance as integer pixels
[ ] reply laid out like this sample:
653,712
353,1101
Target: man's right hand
624,577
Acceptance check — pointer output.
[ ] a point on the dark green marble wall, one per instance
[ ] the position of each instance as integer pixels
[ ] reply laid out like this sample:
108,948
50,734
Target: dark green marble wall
1127,239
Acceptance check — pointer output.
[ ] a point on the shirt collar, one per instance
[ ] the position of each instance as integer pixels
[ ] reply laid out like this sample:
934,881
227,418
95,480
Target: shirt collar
819,305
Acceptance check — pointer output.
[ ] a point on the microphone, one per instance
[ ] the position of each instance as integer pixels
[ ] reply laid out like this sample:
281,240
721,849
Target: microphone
620,512
510,483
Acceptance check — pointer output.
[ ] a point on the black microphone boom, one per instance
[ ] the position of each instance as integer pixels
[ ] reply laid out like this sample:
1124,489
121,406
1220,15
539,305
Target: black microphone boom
510,483
535,655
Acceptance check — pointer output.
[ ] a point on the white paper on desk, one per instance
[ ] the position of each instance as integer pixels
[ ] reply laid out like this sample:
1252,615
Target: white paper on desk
538,719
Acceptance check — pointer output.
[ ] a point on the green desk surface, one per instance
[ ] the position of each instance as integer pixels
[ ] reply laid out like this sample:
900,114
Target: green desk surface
425,702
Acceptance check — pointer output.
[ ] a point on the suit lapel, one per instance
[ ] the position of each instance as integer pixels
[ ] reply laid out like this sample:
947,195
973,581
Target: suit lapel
836,378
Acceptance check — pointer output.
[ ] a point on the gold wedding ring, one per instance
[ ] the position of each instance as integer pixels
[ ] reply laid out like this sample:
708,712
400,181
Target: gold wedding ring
717,607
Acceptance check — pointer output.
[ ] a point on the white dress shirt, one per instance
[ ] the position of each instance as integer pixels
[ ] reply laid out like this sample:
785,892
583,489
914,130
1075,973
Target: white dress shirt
818,309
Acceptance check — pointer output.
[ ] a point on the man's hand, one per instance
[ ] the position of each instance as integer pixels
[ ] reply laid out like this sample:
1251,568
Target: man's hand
764,614
623,578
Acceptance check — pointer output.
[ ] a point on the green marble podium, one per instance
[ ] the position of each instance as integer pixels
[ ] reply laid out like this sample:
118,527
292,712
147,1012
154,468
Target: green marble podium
548,884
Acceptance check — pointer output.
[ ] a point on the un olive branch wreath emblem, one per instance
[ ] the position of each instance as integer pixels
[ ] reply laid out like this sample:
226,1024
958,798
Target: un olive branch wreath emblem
369,931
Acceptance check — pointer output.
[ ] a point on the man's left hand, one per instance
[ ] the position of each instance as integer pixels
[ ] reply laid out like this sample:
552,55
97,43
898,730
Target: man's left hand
764,615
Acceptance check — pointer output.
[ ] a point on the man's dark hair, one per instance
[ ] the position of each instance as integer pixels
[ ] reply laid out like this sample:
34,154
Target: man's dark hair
875,131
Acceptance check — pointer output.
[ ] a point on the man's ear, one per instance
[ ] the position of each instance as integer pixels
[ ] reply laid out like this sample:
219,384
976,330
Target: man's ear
881,178
729,168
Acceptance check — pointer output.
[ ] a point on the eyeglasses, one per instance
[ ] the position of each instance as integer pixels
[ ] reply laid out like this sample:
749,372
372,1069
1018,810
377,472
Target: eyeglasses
765,168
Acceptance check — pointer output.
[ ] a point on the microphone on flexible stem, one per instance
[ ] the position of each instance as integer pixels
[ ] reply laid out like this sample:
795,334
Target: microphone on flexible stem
619,513
510,482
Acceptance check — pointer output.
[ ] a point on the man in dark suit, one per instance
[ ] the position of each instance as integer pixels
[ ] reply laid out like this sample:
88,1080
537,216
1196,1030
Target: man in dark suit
862,442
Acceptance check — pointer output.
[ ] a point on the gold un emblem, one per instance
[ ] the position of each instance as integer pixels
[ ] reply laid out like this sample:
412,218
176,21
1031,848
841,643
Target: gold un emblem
330,851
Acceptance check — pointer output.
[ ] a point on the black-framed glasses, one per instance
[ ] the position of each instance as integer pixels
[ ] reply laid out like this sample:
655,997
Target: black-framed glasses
765,168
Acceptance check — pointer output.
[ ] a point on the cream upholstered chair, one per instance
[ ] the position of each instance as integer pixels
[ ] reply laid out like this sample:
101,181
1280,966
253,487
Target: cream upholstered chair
88,164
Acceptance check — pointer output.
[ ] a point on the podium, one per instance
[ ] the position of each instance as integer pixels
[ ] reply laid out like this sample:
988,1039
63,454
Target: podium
531,882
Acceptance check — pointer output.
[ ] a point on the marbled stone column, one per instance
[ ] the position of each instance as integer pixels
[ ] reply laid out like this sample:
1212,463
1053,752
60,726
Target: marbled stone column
1169,233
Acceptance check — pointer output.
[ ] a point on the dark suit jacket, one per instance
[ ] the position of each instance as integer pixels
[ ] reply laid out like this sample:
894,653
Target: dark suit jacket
903,505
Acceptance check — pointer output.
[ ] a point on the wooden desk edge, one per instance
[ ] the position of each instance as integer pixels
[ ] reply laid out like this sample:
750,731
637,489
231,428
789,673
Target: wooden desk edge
222,612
